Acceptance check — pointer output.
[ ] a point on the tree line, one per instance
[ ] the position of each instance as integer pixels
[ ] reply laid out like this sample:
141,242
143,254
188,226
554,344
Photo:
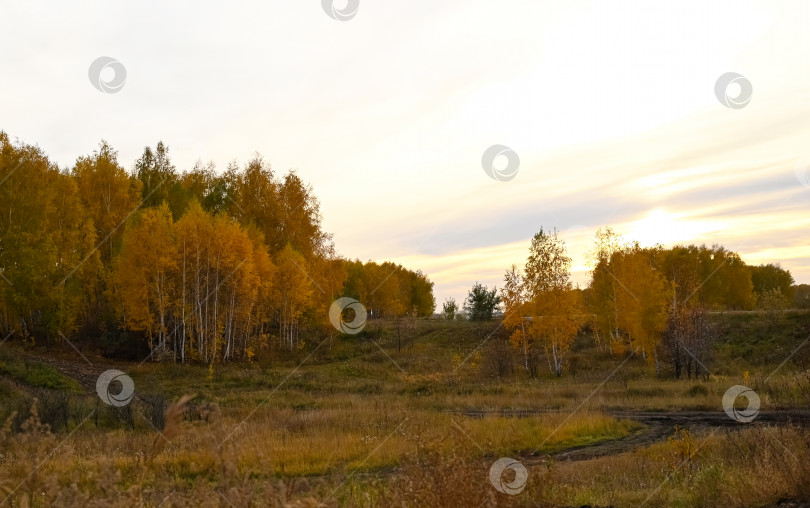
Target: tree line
648,300
198,265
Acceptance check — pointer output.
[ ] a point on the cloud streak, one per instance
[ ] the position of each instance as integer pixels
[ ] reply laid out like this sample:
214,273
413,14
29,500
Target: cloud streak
610,106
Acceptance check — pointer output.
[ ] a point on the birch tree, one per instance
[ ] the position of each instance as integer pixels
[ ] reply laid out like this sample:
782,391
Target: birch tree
517,315
556,305
145,273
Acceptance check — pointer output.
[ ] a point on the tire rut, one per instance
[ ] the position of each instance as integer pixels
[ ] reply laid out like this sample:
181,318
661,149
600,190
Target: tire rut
657,426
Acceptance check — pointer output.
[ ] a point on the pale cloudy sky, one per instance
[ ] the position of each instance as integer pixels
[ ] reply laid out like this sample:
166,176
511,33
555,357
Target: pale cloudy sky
610,106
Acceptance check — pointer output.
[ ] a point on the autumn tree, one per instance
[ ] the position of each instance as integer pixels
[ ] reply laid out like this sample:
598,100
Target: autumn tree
293,292
252,197
47,253
422,301
771,276
331,275
715,277
373,278
194,233
555,305
108,193
144,272
300,217
643,301
235,289
160,181
391,294
209,189
110,197
260,320
449,309
517,316
355,286
604,289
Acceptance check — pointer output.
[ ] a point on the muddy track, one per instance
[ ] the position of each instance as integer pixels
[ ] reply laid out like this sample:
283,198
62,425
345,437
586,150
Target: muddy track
657,426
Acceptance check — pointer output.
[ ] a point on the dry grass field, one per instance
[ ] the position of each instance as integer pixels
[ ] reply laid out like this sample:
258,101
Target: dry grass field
363,422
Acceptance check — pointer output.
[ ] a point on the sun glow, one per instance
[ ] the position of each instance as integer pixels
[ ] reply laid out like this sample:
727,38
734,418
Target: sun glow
665,228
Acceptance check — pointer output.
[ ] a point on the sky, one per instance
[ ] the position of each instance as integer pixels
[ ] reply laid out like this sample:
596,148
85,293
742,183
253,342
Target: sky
610,106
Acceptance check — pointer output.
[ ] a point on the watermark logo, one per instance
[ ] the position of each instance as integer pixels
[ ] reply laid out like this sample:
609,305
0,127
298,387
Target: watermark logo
743,97
803,171
500,174
110,85
514,487
121,398
336,315
749,413
344,14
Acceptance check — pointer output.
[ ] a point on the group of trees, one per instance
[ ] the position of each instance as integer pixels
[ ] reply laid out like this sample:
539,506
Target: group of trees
649,300
635,292
200,265
542,309
388,290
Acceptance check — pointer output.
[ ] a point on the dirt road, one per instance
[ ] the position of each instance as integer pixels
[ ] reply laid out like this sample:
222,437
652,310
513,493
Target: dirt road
657,426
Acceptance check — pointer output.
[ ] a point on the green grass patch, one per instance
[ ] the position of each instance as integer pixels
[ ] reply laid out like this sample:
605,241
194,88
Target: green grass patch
36,374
